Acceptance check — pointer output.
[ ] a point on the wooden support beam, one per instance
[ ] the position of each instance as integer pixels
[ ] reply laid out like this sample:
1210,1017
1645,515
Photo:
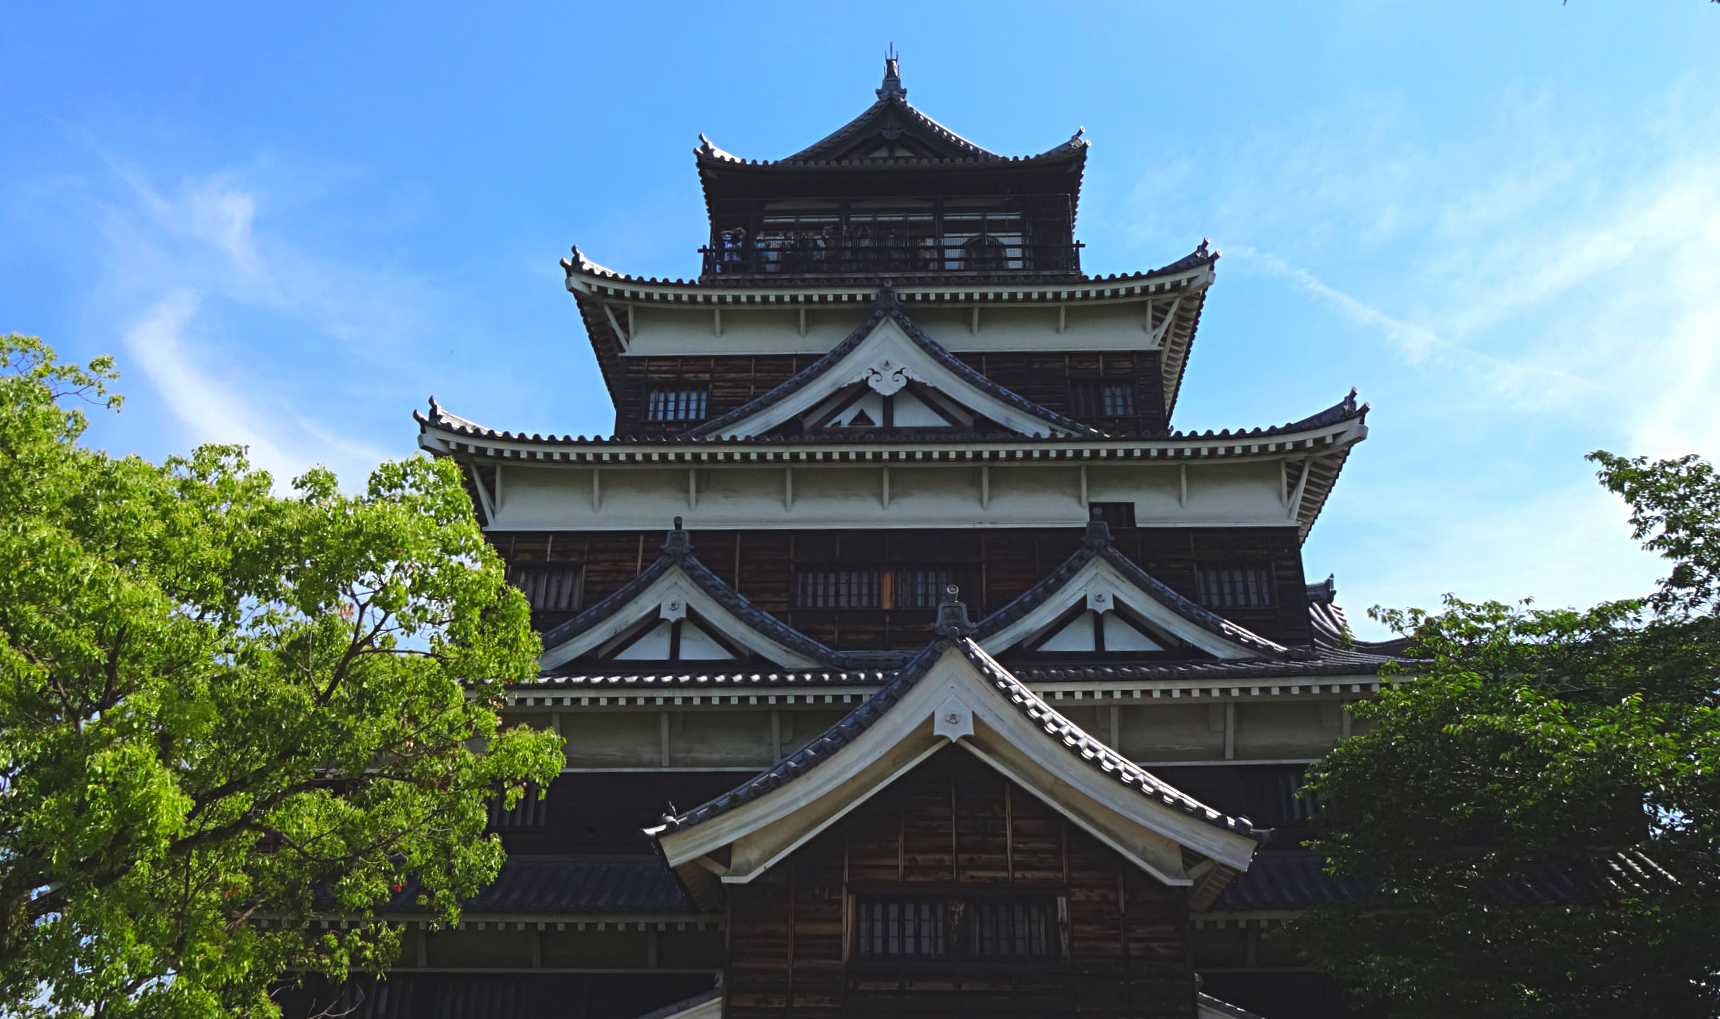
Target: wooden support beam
803,320
1301,486
596,490
692,488
1083,486
1164,328
884,489
788,488
1182,477
973,326
985,486
1230,731
717,320
624,335
1062,318
483,493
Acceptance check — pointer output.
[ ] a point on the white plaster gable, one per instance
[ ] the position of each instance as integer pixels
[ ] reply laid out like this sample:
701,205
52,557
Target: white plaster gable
671,597
951,703
1080,634
1103,589
885,361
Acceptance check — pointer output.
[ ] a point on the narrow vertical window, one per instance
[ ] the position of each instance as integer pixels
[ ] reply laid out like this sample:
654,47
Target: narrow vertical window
675,402
549,588
1102,398
1244,586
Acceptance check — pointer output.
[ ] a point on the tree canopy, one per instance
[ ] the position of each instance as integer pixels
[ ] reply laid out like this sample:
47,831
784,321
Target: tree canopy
1535,806
226,713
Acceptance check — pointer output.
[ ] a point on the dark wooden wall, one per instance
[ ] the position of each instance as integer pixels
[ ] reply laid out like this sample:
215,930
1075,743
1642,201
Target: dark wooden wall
954,822
1043,378
1000,564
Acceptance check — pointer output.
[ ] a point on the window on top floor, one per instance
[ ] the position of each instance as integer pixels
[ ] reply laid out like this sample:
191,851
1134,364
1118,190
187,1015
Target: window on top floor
678,401
1234,586
1102,398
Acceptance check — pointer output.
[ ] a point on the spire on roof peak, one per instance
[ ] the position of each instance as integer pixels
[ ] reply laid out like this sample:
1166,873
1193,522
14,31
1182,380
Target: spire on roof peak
892,87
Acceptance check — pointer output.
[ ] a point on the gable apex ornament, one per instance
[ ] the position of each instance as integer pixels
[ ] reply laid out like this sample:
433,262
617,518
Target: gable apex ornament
892,86
887,375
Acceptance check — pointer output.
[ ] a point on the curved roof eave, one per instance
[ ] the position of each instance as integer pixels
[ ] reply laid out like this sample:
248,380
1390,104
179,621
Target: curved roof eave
1321,427
582,271
1053,723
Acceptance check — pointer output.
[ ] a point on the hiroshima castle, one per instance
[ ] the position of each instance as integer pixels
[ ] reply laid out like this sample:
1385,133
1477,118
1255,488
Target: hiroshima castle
910,661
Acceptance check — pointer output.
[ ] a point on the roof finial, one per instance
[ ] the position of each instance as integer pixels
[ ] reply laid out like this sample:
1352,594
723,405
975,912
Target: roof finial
953,621
678,541
1098,529
892,87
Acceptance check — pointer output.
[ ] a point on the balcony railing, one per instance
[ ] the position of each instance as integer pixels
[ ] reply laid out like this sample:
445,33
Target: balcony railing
874,256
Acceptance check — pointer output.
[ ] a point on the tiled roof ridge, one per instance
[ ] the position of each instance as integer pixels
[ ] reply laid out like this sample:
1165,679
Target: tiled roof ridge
1331,630
1093,750
888,306
1223,1007
1294,878
675,1008
1023,699
821,747
440,419
1097,544
677,551
1200,256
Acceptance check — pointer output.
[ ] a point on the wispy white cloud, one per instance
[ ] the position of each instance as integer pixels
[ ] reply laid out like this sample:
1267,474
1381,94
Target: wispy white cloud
1540,289
247,340
217,413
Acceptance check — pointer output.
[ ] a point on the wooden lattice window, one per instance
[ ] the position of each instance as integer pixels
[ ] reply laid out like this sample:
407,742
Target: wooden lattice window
839,587
920,587
973,928
675,402
529,812
901,928
1102,398
874,587
549,588
1239,586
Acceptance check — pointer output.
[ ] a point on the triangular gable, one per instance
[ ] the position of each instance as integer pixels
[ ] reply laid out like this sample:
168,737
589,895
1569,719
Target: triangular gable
678,610
891,129
1100,588
954,692
889,354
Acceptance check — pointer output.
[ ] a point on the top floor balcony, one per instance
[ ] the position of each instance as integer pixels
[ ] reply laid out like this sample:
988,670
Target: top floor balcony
1027,235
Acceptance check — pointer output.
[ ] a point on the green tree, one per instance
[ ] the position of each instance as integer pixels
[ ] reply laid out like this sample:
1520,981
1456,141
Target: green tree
1535,808
227,713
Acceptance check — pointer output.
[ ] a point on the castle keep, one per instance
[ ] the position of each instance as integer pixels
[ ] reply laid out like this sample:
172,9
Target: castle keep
910,661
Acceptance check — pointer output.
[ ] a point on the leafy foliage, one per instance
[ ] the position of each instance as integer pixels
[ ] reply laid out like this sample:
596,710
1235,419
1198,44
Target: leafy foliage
226,713
1535,808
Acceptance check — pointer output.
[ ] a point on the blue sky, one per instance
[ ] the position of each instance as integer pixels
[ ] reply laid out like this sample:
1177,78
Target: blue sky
1500,221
